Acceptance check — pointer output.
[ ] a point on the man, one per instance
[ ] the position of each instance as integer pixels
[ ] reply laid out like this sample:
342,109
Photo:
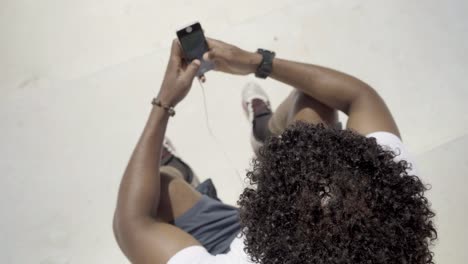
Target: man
318,194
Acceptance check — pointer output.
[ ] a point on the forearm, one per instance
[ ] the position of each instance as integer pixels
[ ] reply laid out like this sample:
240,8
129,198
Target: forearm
140,185
334,89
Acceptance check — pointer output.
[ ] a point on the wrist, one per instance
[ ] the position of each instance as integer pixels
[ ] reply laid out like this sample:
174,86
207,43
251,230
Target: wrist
166,99
254,60
161,112
169,109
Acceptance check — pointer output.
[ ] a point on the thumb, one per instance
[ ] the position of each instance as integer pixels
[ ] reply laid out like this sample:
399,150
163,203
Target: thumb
192,70
210,55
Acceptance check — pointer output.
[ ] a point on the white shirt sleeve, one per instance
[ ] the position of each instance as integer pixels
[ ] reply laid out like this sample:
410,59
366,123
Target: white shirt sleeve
193,254
391,142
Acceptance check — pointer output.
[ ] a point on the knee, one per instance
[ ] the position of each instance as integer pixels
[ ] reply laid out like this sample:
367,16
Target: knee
171,184
177,196
309,109
177,186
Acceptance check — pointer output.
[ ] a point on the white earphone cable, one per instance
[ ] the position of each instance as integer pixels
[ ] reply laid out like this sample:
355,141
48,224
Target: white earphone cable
215,139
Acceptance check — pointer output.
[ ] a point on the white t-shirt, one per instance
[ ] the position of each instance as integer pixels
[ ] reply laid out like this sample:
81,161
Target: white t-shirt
199,255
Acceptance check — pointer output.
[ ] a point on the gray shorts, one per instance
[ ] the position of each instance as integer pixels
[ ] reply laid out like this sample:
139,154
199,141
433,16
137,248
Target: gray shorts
213,223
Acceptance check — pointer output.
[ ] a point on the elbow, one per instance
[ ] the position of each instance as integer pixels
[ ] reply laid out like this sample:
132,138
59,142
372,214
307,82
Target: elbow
118,232
363,90
124,225
120,227
115,226
364,93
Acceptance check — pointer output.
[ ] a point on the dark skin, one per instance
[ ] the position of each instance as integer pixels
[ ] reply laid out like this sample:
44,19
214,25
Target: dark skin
148,201
142,236
366,110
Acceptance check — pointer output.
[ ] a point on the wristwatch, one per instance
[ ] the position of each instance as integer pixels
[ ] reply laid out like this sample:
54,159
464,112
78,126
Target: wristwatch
266,66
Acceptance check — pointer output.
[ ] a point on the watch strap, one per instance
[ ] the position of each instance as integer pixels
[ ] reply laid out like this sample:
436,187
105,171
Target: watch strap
266,66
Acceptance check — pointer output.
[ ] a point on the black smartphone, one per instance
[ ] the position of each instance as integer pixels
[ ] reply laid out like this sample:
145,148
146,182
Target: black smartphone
194,45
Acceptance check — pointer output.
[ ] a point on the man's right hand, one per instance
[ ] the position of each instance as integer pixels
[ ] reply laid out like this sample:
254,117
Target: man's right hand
231,59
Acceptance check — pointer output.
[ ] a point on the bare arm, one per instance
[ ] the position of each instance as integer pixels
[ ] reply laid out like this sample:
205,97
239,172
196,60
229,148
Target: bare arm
366,110
142,238
140,185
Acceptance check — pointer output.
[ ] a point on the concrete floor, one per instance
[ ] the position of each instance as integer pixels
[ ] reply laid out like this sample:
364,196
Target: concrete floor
77,78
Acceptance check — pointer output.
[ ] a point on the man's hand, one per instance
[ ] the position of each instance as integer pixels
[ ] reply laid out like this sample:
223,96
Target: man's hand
178,78
231,59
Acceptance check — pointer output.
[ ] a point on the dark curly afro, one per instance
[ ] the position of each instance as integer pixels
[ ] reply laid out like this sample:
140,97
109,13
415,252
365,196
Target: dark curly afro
323,195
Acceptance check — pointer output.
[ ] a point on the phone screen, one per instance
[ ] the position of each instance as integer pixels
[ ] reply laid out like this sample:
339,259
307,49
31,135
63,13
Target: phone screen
194,45
193,42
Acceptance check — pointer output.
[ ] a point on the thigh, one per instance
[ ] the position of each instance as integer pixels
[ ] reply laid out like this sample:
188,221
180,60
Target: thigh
212,223
301,107
177,197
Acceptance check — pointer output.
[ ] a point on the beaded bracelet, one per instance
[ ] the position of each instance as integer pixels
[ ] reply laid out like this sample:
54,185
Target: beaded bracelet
170,109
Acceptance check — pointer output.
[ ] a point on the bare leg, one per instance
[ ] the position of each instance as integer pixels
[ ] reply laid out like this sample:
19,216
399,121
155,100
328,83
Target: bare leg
177,196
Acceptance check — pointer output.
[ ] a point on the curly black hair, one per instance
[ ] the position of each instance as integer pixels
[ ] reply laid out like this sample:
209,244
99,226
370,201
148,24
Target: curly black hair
324,195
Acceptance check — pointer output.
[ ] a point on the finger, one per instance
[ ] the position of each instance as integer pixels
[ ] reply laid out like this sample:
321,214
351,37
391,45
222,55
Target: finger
191,70
175,48
206,56
210,55
176,51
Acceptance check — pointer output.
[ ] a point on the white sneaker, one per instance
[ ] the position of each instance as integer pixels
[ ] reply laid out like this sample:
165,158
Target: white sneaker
170,158
169,147
253,99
